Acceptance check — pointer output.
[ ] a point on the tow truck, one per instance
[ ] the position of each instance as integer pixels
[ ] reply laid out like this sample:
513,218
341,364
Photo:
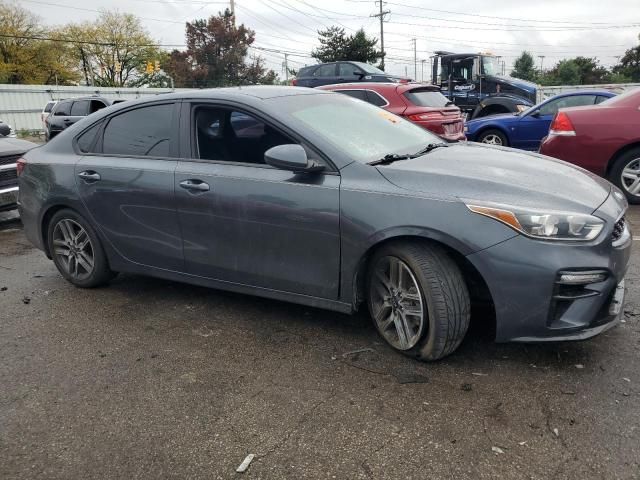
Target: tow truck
474,82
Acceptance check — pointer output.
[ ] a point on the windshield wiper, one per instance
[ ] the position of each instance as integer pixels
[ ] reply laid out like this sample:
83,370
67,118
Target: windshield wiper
393,157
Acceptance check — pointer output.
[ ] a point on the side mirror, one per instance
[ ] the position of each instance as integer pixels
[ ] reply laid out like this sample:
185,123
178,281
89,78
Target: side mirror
358,74
291,157
536,114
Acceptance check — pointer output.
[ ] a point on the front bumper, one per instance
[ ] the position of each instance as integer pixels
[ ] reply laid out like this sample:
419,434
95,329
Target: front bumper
8,198
531,305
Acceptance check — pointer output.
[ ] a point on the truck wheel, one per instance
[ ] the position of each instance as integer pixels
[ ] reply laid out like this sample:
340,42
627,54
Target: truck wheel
418,299
625,174
493,137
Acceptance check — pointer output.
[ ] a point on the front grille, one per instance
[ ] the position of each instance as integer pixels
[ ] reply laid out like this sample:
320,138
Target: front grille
618,229
8,178
9,159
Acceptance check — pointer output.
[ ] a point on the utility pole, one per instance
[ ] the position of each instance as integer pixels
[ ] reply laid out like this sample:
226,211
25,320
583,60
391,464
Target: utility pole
232,8
381,15
286,68
541,57
415,59
422,72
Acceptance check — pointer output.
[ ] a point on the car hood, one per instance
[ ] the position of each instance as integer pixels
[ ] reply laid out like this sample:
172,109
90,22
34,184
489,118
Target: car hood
14,146
475,172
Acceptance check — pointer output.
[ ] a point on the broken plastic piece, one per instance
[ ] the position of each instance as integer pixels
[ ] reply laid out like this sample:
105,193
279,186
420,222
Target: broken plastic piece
245,463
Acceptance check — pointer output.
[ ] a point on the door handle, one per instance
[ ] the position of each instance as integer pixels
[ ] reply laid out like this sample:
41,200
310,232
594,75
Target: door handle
89,176
197,185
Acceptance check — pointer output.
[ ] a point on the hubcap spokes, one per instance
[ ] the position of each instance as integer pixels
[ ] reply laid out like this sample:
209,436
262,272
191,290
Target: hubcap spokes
396,303
631,177
492,140
73,248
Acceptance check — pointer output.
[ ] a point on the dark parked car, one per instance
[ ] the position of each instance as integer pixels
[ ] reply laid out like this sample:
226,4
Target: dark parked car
324,200
11,149
423,105
526,129
604,139
342,72
67,112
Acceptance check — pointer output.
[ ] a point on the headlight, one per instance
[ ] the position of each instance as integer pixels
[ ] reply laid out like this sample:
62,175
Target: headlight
543,225
521,108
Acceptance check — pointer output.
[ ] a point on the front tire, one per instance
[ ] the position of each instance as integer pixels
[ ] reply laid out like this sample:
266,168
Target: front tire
493,137
625,174
418,299
77,251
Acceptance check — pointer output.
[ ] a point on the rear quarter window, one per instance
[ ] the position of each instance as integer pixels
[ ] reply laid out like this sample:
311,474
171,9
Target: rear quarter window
49,106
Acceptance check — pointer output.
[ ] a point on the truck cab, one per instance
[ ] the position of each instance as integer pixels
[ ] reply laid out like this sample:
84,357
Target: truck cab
475,83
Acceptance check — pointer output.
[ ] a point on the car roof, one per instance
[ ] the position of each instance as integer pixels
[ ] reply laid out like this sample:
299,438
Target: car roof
572,93
386,86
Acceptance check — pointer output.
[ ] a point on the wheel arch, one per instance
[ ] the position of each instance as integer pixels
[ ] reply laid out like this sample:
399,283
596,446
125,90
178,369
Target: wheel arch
621,151
493,126
482,304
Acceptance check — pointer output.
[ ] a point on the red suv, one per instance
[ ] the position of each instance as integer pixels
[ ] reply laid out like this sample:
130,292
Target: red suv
604,139
424,105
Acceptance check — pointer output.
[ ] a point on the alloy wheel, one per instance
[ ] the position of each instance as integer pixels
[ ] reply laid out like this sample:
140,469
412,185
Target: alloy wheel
630,177
73,248
492,139
396,303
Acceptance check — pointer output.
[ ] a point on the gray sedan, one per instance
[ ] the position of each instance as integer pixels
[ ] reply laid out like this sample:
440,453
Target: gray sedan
320,199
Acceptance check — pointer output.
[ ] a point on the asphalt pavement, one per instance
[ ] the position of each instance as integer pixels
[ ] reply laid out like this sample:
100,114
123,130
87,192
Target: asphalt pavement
153,379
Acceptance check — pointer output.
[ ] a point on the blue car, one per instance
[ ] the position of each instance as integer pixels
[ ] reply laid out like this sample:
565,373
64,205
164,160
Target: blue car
526,129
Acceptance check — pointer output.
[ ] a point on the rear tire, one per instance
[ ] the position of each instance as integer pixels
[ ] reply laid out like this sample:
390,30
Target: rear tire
77,251
625,174
421,305
493,137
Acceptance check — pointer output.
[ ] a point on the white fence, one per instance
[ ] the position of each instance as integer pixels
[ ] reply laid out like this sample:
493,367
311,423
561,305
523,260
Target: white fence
549,91
21,105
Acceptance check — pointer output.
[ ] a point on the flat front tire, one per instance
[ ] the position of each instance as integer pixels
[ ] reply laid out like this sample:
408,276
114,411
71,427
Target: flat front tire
418,299
77,251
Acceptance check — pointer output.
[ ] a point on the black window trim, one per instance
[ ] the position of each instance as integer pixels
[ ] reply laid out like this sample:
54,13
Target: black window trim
174,139
189,144
367,91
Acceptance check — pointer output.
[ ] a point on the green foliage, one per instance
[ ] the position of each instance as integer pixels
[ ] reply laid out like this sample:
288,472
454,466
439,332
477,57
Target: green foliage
336,46
629,66
524,67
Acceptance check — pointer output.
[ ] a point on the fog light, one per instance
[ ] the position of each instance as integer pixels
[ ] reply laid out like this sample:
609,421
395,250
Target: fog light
577,278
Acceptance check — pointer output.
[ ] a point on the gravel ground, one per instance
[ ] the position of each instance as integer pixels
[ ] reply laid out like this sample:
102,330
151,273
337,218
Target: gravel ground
153,379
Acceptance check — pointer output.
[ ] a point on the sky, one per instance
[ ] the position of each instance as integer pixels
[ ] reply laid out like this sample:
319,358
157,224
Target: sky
554,29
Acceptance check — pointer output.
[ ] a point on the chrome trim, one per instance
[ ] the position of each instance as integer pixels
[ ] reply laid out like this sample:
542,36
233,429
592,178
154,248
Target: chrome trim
9,190
11,166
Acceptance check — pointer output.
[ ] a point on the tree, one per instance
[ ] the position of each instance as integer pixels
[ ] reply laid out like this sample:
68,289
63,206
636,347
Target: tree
24,57
629,66
591,72
524,67
567,72
112,51
215,55
336,46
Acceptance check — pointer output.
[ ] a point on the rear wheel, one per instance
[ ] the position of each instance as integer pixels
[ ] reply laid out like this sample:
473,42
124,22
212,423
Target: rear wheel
625,174
418,299
493,137
76,250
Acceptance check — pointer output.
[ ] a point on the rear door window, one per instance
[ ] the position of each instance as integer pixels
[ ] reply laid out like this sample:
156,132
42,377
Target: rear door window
552,107
141,132
359,94
325,71
426,98
80,108
376,99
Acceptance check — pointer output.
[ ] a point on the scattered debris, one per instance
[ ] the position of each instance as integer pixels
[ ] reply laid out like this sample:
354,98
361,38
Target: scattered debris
497,450
567,392
26,300
3,289
154,355
354,352
333,357
626,379
466,387
556,432
245,463
522,444
38,276
579,366
480,374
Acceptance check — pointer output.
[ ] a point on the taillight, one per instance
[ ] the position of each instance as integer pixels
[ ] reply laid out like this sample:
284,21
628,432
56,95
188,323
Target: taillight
562,125
20,164
416,117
